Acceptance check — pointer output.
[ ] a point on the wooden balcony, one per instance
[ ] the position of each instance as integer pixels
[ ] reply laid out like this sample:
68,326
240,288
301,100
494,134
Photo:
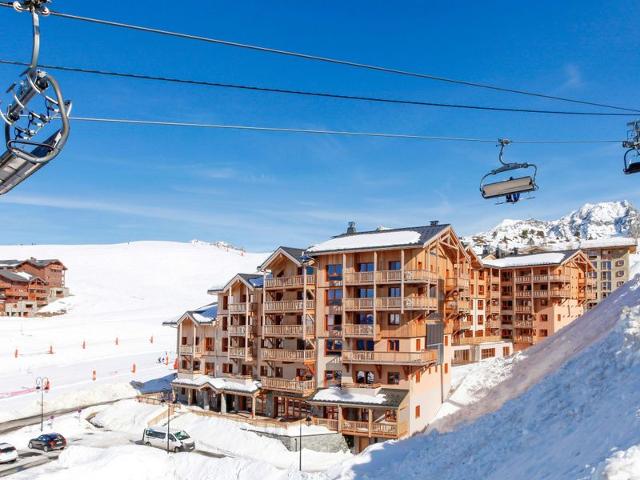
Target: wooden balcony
357,304
524,339
462,325
370,429
458,305
477,340
334,332
391,358
186,349
389,276
241,330
358,278
361,331
490,323
286,306
295,281
551,278
561,292
524,309
420,276
494,294
291,331
241,353
282,355
330,423
523,323
303,387
243,307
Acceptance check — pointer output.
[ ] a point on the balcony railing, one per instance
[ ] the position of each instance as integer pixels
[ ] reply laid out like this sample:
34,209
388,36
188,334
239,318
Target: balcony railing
494,294
241,330
523,338
282,355
329,423
477,340
402,358
243,307
389,276
295,281
185,349
282,306
524,308
459,305
560,292
523,323
492,323
461,325
362,330
243,353
377,429
358,278
295,386
287,330
357,303
420,276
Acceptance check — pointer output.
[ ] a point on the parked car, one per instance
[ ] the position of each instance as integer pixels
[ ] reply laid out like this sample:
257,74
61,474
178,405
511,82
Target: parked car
48,441
179,440
8,453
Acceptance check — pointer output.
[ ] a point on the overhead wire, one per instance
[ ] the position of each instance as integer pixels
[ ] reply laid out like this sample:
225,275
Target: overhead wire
395,101
330,60
315,131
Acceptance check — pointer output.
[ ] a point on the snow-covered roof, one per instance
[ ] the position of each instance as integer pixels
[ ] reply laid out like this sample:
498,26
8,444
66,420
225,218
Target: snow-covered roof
21,277
382,396
550,258
203,315
398,237
295,254
608,242
217,383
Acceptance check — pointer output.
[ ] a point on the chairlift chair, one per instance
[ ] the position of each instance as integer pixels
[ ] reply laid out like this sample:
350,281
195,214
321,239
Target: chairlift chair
511,188
632,144
631,161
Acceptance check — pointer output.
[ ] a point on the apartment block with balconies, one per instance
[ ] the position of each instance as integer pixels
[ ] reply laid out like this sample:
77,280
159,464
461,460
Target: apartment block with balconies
386,304
540,293
288,334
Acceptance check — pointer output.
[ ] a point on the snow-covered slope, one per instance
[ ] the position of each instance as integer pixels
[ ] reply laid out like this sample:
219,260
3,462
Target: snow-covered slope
566,408
590,222
122,291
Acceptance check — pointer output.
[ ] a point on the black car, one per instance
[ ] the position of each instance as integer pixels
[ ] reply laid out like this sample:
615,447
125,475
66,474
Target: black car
48,441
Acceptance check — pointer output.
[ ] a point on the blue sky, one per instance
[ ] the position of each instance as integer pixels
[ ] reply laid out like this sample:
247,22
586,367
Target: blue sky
117,183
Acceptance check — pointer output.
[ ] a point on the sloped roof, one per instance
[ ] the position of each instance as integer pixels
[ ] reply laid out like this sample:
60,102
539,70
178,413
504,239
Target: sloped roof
549,258
392,237
9,263
295,254
204,315
385,397
20,277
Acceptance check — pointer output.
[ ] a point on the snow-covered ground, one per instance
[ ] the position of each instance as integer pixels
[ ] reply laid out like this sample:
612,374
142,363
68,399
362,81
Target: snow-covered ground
123,292
565,408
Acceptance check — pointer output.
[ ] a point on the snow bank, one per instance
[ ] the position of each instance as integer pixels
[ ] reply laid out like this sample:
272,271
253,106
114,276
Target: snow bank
560,412
144,463
128,416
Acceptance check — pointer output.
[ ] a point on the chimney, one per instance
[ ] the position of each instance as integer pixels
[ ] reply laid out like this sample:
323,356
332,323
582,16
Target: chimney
351,228
434,223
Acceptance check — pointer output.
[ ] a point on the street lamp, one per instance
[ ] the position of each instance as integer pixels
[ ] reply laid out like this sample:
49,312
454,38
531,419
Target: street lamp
308,422
169,401
42,384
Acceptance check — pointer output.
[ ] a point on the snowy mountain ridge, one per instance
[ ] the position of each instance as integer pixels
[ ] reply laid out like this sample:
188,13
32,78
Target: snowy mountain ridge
592,221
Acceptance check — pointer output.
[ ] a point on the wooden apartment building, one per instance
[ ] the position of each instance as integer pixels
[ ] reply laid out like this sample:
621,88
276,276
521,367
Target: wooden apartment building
27,285
355,331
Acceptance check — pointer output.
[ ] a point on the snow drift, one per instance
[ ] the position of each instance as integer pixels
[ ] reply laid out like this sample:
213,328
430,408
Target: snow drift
566,408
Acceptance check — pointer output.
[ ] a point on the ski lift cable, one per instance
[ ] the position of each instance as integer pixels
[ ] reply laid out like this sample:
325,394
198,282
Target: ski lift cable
330,60
396,101
315,131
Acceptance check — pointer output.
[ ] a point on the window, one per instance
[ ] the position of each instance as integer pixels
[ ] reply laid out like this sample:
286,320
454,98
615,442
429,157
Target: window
332,377
333,323
334,296
364,345
619,263
196,365
544,317
394,345
362,376
417,411
334,272
227,368
418,376
394,319
480,304
365,267
446,368
605,285
543,333
605,275
488,353
364,319
394,291
333,347
620,273
605,265
184,340
394,265
418,344
225,344
393,378
264,371
619,284
446,340
365,293
505,351
480,319
559,317
184,364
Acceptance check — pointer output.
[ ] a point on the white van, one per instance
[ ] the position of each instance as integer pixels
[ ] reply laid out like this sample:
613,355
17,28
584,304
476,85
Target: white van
179,440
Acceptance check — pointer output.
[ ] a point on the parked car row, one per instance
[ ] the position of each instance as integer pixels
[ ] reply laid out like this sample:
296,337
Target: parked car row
45,442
